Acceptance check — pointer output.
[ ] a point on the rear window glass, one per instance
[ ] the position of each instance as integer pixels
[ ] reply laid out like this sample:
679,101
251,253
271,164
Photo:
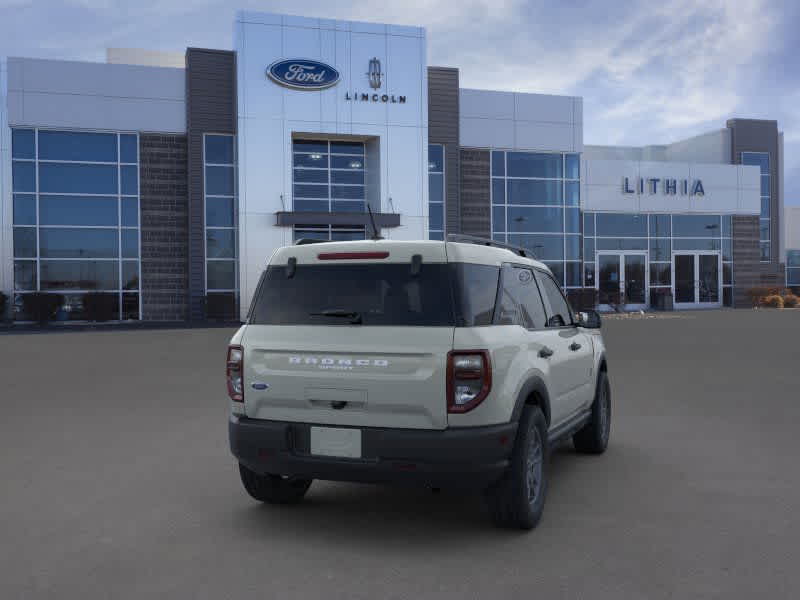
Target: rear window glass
367,294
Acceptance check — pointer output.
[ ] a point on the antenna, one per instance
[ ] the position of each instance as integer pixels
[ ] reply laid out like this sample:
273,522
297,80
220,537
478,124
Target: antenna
375,235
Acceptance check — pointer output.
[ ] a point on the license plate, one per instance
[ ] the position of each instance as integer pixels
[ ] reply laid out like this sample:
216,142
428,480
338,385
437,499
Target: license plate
335,441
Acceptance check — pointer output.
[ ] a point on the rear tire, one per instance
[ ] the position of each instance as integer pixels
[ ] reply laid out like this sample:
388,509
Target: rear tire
593,438
273,489
517,500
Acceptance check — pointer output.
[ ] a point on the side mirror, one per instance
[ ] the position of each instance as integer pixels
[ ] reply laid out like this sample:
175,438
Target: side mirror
589,319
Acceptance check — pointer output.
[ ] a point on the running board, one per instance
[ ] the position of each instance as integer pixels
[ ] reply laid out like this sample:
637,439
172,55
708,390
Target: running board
570,426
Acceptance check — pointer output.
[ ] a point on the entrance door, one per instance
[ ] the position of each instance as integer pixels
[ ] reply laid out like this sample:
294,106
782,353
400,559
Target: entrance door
622,280
697,279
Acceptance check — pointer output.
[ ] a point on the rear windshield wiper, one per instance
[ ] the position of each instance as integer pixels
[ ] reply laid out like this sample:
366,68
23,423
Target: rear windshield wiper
355,317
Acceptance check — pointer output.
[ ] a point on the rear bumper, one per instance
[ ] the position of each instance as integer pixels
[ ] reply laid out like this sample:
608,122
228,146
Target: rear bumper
459,457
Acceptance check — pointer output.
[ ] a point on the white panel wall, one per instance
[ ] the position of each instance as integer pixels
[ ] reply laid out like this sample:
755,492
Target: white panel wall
491,119
269,115
82,95
6,206
729,189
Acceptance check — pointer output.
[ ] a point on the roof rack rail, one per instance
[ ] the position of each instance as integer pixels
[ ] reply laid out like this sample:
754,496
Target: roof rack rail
304,241
472,239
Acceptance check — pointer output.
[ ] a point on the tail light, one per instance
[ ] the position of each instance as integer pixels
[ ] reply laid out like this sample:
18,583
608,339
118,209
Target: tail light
234,373
469,379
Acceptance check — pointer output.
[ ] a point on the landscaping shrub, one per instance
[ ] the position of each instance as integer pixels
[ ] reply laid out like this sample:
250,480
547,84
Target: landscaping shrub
773,301
99,306
790,301
41,306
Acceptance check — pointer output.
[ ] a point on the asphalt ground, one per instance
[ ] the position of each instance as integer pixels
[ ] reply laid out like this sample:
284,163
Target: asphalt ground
117,482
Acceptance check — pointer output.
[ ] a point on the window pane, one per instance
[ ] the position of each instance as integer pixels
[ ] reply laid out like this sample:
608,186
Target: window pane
219,149
498,163
311,234
765,185
220,243
130,243
77,179
558,305
522,191
573,274
727,249
621,243
342,236
544,220
130,307
572,190
23,143
695,244
765,208
765,251
315,161
696,225
77,210
310,191
309,146
128,149
435,158
727,273
520,301
129,180
436,235
588,274
219,181
130,275
358,177
530,164
588,224
759,159
572,220
311,205
311,175
340,162
23,176
763,229
130,212
24,209
572,245
660,226
25,275
436,216
436,188
661,274
219,212
660,249
498,191
793,258
25,242
558,271
498,218
78,243
347,192
623,225
573,166
544,247
74,145
348,206
221,274
793,277
347,148
727,226
79,275
588,249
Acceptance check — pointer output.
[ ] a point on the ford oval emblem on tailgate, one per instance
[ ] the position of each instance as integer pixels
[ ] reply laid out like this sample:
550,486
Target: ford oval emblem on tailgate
257,385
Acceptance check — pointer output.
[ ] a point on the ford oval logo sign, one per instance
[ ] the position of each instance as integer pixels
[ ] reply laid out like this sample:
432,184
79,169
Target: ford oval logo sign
303,74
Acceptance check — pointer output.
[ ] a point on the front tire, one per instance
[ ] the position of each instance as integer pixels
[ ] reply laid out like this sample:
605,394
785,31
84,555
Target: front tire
517,500
273,489
593,437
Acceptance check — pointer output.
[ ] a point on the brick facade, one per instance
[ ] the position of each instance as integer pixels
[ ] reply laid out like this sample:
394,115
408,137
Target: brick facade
164,227
476,204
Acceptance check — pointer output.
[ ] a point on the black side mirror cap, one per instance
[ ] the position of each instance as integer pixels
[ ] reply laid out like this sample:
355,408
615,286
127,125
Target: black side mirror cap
589,319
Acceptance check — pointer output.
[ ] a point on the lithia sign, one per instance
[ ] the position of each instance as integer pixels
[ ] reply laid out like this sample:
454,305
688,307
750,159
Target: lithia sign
306,74
667,186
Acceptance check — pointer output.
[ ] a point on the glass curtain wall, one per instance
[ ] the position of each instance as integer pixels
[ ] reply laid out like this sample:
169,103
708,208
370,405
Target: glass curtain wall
761,160
536,205
222,280
436,191
793,268
660,235
76,220
328,176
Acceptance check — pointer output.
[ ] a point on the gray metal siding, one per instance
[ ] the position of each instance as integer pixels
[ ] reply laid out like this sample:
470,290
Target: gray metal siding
210,108
475,195
443,128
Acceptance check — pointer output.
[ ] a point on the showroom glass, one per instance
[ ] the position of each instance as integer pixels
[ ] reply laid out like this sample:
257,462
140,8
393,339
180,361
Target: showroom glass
761,160
435,191
76,218
536,205
793,268
222,277
519,300
660,235
328,176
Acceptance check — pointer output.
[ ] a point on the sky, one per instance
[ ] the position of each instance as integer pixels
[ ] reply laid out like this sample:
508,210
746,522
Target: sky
649,72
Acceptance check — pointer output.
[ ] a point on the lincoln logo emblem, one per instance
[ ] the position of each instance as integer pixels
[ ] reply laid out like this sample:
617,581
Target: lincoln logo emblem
374,74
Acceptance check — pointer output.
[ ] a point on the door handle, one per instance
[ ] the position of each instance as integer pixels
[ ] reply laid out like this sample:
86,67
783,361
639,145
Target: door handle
545,352
574,346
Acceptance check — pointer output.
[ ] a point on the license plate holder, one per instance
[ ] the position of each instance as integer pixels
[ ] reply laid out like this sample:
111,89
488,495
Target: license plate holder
336,442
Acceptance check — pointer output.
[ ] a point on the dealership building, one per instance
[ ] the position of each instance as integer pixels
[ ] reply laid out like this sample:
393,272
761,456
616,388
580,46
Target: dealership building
167,180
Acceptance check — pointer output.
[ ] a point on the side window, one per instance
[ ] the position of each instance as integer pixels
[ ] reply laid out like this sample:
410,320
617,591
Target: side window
559,313
520,302
475,292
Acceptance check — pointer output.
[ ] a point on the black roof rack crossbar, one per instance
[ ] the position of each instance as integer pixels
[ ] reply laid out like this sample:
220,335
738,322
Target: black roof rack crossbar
472,239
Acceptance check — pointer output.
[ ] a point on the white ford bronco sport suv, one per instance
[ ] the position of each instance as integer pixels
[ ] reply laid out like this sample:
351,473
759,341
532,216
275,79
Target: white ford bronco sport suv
456,363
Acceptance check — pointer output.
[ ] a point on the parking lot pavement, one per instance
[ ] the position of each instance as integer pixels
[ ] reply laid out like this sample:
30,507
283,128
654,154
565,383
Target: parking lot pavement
117,482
